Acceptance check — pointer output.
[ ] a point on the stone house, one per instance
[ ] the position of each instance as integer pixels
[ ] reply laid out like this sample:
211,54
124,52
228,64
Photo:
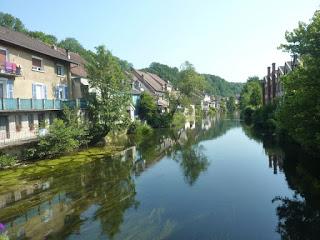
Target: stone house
35,82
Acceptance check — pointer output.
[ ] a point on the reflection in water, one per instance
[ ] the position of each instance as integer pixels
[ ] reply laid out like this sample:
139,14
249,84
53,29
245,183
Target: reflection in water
299,216
102,197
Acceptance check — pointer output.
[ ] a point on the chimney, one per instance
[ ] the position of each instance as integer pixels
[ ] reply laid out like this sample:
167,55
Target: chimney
53,46
68,54
273,78
294,61
268,86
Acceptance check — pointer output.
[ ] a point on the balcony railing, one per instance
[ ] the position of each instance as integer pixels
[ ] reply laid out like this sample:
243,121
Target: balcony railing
10,68
19,104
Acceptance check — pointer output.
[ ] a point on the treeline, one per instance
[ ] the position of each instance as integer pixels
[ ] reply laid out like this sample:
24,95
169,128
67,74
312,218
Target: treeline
297,113
213,85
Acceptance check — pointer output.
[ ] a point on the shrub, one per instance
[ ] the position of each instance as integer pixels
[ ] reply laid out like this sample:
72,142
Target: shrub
139,128
178,119
7,160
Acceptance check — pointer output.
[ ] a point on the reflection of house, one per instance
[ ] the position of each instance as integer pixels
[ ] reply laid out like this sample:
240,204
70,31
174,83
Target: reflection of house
271,84
35,83
209,102
154,85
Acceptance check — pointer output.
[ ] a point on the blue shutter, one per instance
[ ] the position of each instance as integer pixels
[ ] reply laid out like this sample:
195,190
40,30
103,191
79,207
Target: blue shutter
45,91
10,89
66,92
57,92
34,96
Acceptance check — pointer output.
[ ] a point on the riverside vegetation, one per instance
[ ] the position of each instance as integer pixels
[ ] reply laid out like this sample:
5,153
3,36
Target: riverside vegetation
296,115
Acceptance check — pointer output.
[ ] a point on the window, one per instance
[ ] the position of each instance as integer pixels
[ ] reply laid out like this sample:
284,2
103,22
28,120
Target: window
62,91
31,121
3,57
37,64
39,91
60,70
18,120
4,126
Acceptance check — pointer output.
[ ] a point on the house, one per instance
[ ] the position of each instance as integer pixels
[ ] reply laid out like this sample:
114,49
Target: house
133,108
154,85
271,83
209,102
35,83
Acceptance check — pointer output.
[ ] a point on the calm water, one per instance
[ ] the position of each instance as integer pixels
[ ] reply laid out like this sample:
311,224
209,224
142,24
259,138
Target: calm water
212,180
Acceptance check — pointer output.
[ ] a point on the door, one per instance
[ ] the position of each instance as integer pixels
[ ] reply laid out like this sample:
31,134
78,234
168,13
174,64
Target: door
4,127
38,92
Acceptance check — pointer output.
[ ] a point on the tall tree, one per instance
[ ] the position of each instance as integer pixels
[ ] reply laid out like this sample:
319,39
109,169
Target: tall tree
251,94
299,111
72,45
108,108
46,38
190,82
11,22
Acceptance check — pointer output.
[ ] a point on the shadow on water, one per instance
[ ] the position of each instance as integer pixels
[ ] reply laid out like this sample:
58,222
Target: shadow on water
299,216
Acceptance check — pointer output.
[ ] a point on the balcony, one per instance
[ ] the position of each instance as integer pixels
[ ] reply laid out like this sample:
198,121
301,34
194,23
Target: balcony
10,69
19,104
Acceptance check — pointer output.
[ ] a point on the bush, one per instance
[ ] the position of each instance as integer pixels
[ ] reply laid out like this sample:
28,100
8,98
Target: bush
264,118
62,138
178,119
7,160
139,128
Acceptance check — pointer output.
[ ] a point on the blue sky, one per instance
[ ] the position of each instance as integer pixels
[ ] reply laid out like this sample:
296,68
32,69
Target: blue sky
230,38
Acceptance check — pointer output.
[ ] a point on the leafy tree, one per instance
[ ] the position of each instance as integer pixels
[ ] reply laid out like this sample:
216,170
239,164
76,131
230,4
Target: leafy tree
46,38
108,109
251,95
299,111
190,82
170,74
219,86
231,105
147,107
11,22
72,45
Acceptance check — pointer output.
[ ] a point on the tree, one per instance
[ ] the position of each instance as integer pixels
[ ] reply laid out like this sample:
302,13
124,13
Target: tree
72,45
190,82
170,74
231,104
299,111
147,107
108,109
46,38
11,22
251,94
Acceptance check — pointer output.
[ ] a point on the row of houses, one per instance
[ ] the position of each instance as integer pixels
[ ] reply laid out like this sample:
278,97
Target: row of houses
271,83
37,80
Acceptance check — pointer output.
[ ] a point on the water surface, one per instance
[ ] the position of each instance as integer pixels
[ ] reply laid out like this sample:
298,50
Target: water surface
211,180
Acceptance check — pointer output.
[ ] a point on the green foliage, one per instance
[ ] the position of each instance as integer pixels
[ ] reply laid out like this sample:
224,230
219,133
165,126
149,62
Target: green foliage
299,111
108,109
264,118
231,104
11,22
178,120
218,86
7,160
170,74
191,83
46,38
251,94
73,45
139,128
62,138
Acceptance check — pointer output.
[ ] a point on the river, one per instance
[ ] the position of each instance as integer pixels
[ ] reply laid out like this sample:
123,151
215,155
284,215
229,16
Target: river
215,179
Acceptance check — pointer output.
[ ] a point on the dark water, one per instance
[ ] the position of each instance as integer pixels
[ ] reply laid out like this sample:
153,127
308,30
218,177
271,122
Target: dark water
215,180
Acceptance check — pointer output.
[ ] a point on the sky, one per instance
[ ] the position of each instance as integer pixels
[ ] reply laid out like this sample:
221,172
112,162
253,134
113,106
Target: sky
233,39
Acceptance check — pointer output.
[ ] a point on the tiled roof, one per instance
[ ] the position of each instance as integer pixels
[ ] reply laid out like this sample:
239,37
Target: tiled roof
155,82
24,41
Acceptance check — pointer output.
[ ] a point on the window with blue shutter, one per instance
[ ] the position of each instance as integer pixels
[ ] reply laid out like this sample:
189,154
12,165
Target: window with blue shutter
66,92
34,94
45,92
10,89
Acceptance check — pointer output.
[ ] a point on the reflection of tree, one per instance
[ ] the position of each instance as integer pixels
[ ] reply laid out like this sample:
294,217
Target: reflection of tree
193,162
299,216
297,219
